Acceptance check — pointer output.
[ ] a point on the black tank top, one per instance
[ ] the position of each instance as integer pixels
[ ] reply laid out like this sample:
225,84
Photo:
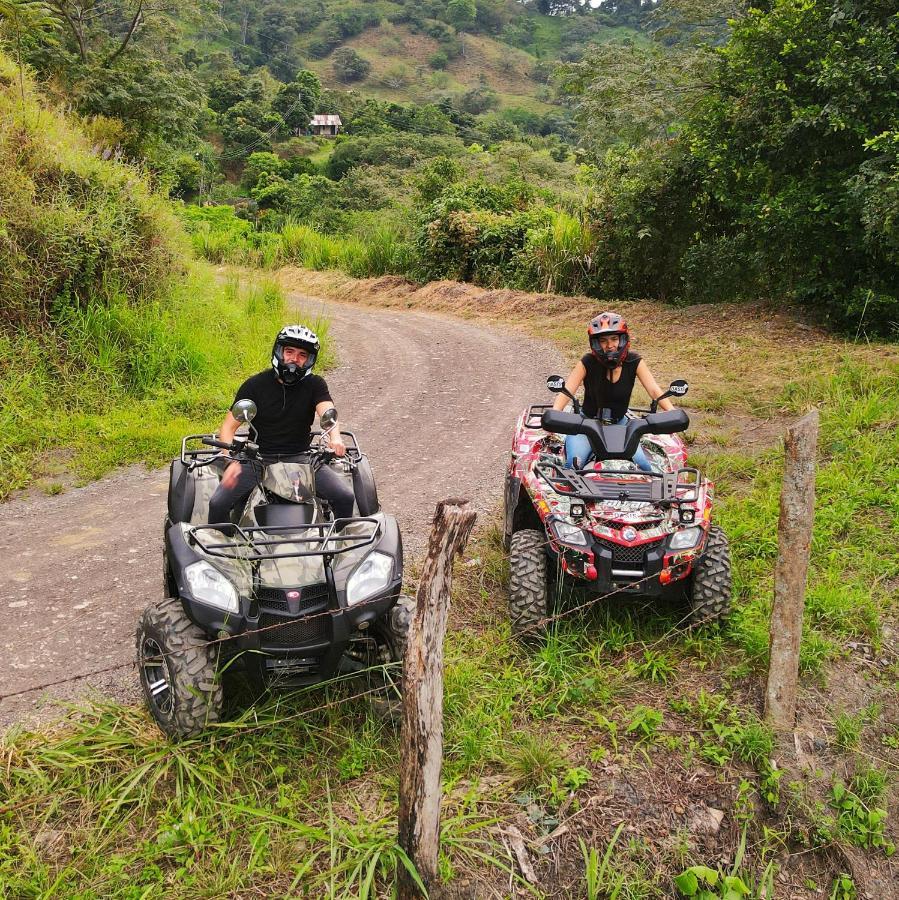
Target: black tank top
600,393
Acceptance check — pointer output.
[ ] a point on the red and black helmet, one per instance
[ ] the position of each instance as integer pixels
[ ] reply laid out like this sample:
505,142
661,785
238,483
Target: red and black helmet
609,323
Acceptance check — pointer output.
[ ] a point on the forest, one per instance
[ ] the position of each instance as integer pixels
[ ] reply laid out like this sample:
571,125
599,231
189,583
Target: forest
687,151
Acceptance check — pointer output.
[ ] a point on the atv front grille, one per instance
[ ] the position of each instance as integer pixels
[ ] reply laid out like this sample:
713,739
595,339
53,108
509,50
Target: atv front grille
628,556
644,525
275,599
294,632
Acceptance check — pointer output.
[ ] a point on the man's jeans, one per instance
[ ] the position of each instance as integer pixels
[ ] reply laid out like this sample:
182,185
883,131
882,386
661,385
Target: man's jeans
578,445
328,484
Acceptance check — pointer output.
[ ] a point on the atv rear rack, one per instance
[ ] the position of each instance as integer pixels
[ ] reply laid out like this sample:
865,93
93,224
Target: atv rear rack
532,418
625,485
257,544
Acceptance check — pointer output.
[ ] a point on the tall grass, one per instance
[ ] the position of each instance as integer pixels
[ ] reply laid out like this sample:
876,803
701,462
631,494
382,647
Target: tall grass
75,229
857,481
118,382
562,253
220,236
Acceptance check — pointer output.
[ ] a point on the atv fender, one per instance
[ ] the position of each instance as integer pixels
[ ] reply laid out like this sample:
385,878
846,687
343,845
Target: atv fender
519,512
181,492
364,488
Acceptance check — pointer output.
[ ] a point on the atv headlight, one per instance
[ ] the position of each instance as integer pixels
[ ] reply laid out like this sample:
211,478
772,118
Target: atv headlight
208,585
373,574
685,539
569,534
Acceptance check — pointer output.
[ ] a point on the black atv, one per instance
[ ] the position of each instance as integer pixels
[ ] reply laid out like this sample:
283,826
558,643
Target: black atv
610,527
285,592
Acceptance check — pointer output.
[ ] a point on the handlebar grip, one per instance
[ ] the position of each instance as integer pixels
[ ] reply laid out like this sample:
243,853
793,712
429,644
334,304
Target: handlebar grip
212,442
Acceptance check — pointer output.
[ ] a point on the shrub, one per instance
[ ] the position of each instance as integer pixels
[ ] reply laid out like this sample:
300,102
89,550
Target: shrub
75,230
348,65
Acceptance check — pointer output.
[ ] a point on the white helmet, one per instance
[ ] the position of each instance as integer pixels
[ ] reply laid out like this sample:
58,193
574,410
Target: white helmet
294,336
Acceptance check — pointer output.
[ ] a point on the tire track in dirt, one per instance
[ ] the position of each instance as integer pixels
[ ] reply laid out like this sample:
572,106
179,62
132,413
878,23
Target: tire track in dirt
432,400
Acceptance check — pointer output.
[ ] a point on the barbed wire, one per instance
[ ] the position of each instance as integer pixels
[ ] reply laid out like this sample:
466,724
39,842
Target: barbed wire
300,618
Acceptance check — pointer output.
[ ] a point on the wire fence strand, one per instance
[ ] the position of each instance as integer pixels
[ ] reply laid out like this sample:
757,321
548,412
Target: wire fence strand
299,617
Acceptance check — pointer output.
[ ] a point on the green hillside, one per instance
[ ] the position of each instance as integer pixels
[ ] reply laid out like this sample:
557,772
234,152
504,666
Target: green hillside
113,341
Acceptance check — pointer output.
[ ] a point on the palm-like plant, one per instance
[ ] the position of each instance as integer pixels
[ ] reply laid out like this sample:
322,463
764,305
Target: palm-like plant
26,17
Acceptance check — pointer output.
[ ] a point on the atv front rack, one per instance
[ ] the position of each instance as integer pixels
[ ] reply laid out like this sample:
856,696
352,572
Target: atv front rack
258,544
625,485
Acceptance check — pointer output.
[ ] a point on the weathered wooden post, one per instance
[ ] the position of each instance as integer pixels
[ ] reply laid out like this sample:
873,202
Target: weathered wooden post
421,755
794,540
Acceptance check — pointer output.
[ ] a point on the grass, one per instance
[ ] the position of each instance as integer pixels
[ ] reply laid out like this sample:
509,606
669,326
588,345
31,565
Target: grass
221,237
619,715
132,379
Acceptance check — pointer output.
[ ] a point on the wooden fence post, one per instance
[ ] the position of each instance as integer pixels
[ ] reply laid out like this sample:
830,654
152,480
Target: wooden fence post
794,540
421,754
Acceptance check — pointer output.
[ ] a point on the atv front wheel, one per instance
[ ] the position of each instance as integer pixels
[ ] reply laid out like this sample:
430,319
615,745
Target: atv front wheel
384,682
527,585
178,670
710,591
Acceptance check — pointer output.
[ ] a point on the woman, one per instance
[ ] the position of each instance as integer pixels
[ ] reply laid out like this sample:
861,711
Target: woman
608,373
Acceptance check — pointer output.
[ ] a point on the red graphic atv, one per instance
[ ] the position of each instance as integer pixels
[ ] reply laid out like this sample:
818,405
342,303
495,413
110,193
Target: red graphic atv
610,526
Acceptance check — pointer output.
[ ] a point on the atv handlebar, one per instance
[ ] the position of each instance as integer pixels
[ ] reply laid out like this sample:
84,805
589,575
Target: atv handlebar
212,442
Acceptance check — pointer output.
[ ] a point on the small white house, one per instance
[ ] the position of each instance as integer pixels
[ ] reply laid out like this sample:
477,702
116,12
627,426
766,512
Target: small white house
325,126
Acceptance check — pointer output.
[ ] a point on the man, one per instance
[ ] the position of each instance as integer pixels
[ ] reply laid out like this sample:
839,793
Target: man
288,397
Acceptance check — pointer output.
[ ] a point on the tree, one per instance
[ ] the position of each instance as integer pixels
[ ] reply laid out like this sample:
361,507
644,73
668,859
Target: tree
27,19
297,101
102,30
154,101
226,88
461,13
628,92
260,168
348,65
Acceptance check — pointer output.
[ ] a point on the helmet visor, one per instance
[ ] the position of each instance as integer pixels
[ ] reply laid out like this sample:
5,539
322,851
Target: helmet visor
609,342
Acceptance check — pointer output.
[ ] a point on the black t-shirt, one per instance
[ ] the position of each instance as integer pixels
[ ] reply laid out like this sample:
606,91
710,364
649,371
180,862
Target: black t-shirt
284,413
600,393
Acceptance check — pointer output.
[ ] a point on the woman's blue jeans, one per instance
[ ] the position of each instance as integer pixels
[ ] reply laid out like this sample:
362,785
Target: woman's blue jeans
578,445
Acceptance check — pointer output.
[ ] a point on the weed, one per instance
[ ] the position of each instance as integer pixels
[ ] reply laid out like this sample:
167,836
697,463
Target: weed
603,882
644,722
656,666
575,779
860,820
534,759
843,888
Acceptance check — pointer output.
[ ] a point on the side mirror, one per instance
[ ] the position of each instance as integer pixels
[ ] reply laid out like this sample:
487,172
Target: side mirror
556,383
244,411
328,419
677,388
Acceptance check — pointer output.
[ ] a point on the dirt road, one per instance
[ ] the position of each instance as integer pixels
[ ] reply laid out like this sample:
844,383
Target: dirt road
432,400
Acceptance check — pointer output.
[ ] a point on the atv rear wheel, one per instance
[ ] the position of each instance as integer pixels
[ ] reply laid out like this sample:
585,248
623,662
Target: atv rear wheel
178,670
527,585
710,590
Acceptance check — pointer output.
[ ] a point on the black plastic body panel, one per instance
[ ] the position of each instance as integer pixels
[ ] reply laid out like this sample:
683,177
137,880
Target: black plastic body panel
323,655
615,441
181,492
283,514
